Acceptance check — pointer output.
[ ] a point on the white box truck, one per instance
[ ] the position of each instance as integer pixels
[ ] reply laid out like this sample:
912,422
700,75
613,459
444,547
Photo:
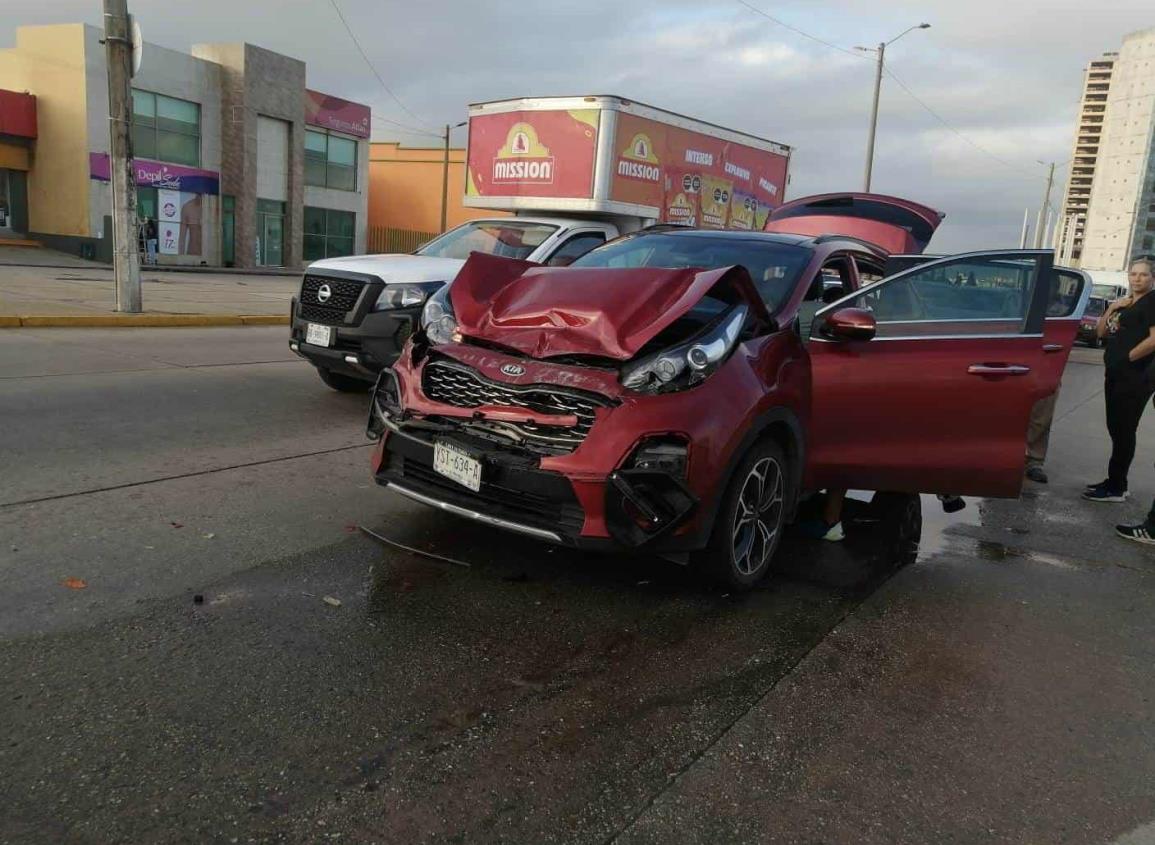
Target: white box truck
574,172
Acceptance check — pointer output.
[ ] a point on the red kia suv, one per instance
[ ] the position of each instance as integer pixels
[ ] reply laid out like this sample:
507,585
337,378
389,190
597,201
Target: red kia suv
678,390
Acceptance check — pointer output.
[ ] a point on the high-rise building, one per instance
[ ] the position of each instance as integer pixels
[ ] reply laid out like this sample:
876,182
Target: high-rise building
1121,214
1084,155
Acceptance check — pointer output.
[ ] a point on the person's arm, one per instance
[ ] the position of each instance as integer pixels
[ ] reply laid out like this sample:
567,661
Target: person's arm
1101,326
1143,348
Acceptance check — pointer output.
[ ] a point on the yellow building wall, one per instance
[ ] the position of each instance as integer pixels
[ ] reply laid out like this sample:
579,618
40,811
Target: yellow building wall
48,61
405,188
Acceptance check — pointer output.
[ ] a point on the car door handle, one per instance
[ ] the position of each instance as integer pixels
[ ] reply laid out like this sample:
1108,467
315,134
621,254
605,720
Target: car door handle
998,370
1053,347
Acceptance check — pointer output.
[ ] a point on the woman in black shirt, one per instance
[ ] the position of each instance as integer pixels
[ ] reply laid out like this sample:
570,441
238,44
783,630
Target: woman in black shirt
1128,328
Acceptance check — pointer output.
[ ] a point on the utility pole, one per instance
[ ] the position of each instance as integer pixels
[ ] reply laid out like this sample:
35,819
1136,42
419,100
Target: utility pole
881,51
1041,224
118,56
445,181
874,117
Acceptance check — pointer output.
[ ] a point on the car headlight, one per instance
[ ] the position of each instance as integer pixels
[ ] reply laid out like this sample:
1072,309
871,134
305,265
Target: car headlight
400,296
688,363
437,318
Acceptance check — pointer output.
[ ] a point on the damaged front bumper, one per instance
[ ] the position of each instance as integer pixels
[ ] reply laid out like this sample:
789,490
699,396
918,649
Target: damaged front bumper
622,505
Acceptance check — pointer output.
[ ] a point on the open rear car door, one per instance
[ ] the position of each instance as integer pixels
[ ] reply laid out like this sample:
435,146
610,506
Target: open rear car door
924,381
895,224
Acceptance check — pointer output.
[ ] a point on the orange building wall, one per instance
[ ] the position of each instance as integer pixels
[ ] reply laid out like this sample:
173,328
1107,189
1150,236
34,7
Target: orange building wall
405,188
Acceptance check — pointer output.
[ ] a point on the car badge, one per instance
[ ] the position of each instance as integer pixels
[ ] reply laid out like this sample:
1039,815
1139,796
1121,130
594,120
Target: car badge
513,369
324,292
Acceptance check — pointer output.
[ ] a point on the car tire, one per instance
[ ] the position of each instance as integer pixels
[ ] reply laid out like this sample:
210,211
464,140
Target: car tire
751,519
900,520
343,383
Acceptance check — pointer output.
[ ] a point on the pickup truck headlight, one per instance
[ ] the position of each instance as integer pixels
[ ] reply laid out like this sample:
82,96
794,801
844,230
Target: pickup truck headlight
438,319
688,363
403,296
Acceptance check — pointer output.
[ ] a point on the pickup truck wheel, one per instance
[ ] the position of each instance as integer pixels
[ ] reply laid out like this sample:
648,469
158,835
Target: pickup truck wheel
750,521
343,383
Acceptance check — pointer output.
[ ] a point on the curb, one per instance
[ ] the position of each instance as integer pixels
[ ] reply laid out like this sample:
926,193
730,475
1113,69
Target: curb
141,320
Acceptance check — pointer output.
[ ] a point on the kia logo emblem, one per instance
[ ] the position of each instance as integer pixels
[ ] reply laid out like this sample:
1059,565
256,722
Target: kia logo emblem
324,293
513,369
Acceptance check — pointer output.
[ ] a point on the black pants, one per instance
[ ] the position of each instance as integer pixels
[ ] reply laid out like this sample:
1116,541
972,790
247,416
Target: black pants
1127,395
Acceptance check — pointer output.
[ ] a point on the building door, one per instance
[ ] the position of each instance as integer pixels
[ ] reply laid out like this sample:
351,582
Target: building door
5,203
270,233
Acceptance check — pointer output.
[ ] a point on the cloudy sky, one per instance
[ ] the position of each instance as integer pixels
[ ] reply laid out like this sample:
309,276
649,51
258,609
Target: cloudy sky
1004,76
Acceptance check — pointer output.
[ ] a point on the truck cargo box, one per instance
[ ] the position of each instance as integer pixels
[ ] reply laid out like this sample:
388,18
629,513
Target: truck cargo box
608,155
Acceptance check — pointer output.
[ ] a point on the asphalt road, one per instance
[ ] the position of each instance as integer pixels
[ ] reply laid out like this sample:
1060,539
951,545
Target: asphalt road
997,690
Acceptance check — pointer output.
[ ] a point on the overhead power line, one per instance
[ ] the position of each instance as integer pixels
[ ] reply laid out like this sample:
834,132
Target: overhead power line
406,128
371,66
798,31
898,81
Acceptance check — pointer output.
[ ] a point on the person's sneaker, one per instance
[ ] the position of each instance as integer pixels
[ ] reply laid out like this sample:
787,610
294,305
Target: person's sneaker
1036,474
1102,483
1105,494
817,529
1144,533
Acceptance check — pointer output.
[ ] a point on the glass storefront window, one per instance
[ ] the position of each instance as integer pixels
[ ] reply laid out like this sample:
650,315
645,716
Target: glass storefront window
330,161
328,233
165,128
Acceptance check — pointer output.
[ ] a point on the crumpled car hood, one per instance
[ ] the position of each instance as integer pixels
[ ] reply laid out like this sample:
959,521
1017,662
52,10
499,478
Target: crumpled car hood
546,312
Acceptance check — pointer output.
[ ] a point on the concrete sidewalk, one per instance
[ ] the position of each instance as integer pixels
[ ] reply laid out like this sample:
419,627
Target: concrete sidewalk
84,294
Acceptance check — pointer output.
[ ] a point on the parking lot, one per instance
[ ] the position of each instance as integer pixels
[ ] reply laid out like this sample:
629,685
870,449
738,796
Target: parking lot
199,644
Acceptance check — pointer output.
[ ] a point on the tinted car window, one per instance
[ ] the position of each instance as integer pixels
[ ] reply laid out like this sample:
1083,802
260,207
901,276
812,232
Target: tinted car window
774,267
509,240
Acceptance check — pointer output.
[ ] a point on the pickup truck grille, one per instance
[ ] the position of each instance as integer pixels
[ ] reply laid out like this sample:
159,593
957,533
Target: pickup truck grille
343,296
461,386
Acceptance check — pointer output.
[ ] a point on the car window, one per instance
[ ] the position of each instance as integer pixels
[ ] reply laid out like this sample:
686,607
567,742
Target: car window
1065,289
576,247
513,239
975,295
774,266
829,284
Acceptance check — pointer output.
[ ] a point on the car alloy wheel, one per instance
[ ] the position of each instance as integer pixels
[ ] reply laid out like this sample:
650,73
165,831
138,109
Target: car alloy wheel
757,517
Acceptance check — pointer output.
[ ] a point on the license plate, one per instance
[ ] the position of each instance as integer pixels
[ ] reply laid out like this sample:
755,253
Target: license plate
454,464
319,335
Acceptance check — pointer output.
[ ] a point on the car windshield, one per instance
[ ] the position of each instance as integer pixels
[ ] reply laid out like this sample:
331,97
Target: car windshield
509,239
773,266
1095,307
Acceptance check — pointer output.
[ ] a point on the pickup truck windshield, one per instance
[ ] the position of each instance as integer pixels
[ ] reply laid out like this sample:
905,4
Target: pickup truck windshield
774,267
509,239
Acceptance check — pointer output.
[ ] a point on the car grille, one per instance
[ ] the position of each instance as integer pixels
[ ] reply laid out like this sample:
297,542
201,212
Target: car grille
342,300
458,385
557,510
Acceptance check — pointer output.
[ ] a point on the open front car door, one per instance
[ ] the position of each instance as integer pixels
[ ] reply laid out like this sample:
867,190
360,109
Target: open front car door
924,382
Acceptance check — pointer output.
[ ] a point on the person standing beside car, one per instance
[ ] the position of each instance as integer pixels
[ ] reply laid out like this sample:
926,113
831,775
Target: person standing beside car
1128,328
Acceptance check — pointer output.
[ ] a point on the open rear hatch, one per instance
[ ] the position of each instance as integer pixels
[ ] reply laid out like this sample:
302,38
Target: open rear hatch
896,225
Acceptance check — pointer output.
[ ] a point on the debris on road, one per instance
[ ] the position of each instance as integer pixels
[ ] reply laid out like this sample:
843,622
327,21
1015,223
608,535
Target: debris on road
75,583
198,599
209,536
177,524
332,602
412,550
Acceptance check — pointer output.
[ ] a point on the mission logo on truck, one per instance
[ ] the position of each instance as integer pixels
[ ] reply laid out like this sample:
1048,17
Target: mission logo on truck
638,160
523,159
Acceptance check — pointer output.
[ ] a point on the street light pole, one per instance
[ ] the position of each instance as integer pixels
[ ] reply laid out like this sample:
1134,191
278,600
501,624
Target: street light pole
1041,224
881,50
445,177
874,117
118,56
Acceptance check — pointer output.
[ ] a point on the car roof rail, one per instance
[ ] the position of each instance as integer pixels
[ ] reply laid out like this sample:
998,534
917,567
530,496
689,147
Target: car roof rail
662,227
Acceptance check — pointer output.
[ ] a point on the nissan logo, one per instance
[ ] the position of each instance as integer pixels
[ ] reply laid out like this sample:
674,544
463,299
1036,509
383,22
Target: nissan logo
324,293
513,369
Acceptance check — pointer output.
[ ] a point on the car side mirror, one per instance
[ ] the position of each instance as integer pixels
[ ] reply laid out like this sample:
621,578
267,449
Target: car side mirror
850,324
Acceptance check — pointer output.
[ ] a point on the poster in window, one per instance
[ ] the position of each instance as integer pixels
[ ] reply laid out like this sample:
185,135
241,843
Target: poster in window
169,234
168,206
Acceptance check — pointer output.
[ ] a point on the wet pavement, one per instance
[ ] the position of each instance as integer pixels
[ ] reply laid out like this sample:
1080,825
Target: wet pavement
292,679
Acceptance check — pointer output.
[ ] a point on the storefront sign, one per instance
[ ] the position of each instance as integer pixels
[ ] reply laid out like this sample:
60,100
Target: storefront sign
168,205
330,112
532,153
155,174
17,114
